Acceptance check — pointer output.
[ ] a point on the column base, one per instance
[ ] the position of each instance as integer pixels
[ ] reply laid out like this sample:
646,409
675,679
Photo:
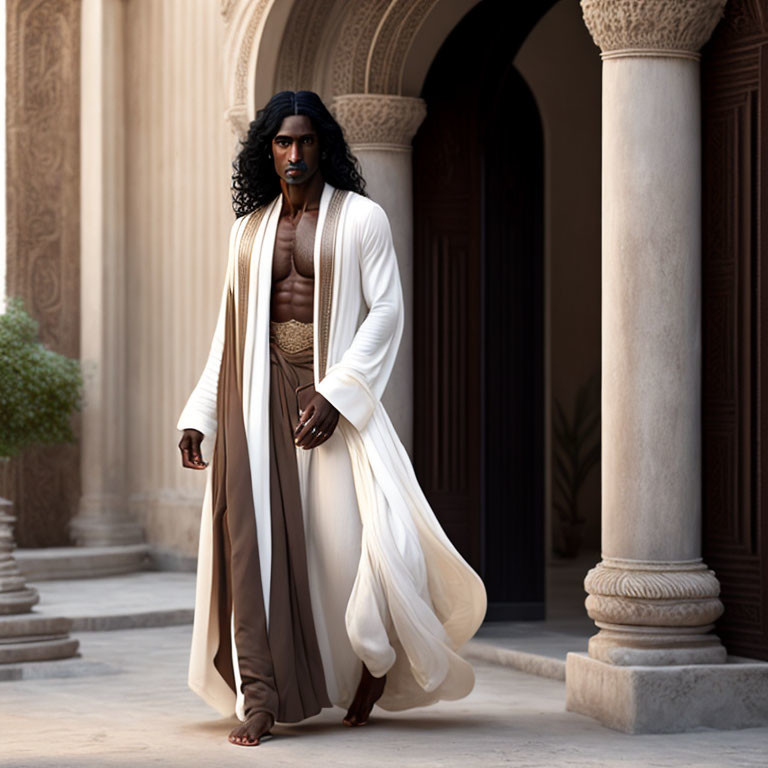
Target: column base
671,699
103,522
18,600
32,637
656,646
654,613
15,595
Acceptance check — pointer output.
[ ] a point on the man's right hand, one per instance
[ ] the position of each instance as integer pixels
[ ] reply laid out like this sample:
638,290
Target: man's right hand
189,445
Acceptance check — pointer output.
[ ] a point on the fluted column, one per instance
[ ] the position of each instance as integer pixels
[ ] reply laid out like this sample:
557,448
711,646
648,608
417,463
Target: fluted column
379,129
652,597
103,518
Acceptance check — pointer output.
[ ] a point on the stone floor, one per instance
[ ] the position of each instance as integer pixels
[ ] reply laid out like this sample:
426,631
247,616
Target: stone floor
124,701
134,709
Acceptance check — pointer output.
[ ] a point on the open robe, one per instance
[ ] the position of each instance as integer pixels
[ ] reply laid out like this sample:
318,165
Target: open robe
414,601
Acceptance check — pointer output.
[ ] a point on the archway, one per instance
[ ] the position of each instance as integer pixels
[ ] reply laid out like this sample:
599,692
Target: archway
479,421
370,61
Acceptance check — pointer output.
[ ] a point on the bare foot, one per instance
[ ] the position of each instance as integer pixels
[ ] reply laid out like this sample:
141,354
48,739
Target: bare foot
368,693
249,733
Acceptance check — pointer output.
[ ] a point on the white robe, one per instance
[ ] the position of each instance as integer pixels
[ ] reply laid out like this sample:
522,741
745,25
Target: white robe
412,600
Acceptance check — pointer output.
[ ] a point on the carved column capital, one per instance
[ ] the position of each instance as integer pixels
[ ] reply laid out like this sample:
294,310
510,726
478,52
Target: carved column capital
677,28
379,121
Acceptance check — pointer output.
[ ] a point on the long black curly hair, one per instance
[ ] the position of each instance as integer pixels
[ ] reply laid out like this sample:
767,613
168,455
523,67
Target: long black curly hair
254,180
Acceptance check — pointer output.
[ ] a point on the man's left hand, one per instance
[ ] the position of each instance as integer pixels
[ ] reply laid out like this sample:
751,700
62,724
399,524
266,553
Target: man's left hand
316,423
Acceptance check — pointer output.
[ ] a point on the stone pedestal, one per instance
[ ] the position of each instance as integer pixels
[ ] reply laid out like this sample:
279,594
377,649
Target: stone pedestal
653,599
668,699
379,129
25,636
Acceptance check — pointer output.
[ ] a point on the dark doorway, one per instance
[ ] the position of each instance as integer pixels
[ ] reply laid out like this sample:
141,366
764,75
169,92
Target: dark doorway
479,306
734,323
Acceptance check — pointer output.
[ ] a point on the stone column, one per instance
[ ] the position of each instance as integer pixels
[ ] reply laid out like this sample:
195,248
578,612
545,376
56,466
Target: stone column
652,598
103,518
379,129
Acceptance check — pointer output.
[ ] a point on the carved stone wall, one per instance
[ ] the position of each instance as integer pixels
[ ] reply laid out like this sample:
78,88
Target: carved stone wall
43,259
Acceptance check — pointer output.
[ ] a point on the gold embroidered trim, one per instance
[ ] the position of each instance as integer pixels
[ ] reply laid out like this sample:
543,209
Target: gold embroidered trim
292,335
243,278
327,251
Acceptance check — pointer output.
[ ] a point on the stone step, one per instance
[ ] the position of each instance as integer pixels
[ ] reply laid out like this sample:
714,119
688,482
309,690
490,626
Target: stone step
127,601
133,620
53,563
32,637
26,624
531,663
38,650
76,666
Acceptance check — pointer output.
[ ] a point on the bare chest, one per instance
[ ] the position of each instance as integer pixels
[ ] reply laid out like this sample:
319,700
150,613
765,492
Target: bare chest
294,247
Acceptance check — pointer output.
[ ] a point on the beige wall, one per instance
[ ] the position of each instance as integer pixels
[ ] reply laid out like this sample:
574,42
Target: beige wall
562,66
178,159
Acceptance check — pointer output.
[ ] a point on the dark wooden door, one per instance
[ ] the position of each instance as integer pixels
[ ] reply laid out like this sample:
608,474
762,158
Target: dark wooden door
735,322
448,323
479,307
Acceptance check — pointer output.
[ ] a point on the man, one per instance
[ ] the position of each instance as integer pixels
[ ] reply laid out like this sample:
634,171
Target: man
323,575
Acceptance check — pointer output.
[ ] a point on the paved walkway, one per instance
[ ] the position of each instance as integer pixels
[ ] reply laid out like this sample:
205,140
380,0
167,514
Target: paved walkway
124,701
134,709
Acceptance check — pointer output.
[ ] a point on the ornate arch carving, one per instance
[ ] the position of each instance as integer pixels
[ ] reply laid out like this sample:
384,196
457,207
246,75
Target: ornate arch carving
334,47
244,20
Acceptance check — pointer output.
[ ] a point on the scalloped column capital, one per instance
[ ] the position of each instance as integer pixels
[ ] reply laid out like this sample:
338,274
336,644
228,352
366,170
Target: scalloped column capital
676,28
379,121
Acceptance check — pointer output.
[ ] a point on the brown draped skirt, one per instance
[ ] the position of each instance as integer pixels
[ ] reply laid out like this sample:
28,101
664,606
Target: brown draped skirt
280,664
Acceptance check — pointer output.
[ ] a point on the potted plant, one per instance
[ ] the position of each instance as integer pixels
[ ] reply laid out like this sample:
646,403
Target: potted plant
39,390
577,451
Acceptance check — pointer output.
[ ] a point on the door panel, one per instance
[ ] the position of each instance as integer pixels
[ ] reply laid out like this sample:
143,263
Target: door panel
734,324
479,308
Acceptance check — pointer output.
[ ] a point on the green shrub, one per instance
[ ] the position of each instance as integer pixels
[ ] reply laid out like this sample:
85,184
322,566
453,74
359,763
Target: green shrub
39,388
